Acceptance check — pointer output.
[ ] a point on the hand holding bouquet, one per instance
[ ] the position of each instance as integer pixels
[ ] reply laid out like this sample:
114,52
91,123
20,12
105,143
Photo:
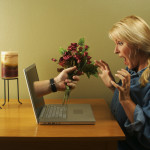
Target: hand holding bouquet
76,55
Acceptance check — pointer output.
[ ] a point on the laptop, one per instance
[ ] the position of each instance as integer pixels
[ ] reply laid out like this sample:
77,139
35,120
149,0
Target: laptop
55,113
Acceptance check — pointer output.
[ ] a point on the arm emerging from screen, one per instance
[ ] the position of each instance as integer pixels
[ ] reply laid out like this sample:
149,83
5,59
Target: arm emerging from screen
58,83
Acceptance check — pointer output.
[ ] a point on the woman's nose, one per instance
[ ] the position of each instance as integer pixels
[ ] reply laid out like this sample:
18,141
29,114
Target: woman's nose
116,50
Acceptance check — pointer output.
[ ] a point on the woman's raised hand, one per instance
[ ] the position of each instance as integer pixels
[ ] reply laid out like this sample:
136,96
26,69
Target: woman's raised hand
105,74
124,89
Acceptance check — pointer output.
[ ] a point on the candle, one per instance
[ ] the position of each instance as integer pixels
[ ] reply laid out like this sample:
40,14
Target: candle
9,64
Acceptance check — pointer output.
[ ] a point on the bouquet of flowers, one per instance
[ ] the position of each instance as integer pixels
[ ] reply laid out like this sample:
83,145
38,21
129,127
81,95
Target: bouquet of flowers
76,55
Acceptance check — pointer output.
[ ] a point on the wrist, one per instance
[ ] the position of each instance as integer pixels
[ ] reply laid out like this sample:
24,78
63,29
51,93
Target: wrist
57,83
53,85
126,102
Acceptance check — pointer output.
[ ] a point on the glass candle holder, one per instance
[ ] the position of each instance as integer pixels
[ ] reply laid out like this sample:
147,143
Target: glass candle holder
9,64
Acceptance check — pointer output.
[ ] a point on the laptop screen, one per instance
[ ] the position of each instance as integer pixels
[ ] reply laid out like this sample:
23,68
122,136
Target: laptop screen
31,76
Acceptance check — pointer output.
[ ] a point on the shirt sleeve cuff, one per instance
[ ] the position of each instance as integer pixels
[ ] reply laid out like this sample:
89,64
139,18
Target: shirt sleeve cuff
139,121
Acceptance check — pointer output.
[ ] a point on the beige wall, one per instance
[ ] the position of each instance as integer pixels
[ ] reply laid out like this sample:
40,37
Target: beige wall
37,28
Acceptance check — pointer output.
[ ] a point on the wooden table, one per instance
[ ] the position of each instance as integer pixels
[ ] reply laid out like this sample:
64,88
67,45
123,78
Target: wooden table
18,129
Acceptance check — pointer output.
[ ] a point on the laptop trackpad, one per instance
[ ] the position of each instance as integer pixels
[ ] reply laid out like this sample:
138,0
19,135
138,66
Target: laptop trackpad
80,112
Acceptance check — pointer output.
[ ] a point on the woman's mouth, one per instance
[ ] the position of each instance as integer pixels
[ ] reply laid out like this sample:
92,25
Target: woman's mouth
125,60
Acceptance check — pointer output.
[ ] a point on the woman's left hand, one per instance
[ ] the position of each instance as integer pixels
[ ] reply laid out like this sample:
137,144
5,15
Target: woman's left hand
124,90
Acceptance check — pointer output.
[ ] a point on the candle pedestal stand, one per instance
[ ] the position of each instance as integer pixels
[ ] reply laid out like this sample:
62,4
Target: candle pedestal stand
8,79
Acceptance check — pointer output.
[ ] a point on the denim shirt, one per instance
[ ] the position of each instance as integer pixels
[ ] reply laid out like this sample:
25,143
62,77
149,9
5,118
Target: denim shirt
138,132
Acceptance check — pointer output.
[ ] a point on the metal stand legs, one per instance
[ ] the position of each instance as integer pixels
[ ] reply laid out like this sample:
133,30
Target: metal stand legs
4,92
18,90
8,89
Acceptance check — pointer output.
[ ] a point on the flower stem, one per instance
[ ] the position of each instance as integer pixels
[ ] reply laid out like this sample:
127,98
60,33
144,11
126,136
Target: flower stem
66,95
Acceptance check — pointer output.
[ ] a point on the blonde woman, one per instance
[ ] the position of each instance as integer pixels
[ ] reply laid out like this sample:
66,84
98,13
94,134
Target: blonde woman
131,101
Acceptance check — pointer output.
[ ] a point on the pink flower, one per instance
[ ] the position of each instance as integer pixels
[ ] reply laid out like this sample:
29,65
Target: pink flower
53,59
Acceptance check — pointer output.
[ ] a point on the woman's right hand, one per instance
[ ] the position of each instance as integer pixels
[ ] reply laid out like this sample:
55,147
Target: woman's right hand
105,74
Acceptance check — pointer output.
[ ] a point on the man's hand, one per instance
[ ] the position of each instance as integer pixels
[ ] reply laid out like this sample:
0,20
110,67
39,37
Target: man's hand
62,79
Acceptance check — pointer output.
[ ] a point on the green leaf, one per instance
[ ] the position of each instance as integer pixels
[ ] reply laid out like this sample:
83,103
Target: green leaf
92,62
81,42
88,75
90,69
62,51
83,50
96,75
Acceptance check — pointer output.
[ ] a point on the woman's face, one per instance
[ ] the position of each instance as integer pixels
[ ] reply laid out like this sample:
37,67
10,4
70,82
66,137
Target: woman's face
125,52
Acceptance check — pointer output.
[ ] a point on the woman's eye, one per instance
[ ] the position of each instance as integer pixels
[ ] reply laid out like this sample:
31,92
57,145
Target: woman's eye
120,43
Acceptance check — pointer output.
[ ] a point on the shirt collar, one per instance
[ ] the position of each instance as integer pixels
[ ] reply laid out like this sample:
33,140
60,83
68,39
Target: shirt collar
132,72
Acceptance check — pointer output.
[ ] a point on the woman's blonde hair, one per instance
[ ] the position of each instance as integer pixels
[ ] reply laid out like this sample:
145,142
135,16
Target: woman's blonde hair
136,32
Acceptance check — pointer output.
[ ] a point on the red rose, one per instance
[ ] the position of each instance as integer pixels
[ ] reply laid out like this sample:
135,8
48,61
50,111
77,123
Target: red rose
62,61
72,47
78,58
60,69
88,62
86,47
78,61
85,54
88,57
80,48
67,57
69,48
78,73
74,44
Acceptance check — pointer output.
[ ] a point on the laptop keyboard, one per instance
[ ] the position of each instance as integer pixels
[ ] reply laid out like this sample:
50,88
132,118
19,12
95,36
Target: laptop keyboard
52,111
